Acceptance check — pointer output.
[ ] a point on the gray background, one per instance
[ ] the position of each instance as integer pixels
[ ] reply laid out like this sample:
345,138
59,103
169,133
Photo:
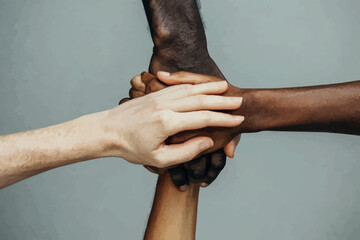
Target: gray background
60,59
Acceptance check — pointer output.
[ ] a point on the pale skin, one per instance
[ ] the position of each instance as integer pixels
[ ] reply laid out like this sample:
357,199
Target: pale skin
135,131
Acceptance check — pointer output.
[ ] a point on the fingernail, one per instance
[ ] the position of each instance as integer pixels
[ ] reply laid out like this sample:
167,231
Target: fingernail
206,144
164,74
222,83
237,100
239,118
184,188
204,185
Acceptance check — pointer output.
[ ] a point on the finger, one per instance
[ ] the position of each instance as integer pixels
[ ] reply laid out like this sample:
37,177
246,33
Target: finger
154,85
178,122
196,169
137,84
179,177
169,155
146,77
217,164
124,100
185,77
204,102
135,93
181,91
230,147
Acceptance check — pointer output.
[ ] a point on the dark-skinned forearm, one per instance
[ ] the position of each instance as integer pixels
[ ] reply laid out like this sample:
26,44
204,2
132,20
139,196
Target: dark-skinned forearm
179,43
173,214
179,38
328,108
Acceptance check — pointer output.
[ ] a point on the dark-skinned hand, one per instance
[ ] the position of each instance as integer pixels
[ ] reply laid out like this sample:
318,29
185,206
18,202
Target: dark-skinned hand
205,168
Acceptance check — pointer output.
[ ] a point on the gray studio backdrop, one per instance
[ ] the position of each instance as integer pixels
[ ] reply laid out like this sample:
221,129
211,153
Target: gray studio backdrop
60,59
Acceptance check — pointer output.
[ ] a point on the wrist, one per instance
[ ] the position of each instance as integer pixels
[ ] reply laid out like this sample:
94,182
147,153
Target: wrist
180,57
255,109
98,138
267,109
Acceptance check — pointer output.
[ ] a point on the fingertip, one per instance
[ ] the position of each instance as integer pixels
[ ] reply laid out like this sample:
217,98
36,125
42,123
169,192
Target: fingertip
228,149
222,85
240,119
163,74
184,188
205,144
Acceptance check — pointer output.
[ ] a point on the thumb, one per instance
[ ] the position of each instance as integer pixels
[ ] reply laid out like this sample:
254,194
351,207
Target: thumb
185,77
184,152
230,147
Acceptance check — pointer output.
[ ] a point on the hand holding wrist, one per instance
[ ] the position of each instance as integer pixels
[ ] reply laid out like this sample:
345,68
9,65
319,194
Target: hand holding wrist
142,125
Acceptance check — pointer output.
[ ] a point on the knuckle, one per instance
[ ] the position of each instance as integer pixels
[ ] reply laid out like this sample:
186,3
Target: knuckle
197,173
178,175
135,79
207,116
164,118
212,176
202,100
157,105
218,163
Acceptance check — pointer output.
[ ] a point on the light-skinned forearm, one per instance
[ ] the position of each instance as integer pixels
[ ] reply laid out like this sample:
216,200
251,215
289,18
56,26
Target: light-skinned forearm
173,215
25,154
135,131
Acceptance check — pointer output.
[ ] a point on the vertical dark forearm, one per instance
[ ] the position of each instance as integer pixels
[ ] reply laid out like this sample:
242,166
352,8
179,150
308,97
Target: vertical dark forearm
179,44
179,38
175,24
173,214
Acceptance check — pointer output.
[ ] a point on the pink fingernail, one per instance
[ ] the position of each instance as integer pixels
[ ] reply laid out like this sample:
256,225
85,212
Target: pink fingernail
164,74
204,185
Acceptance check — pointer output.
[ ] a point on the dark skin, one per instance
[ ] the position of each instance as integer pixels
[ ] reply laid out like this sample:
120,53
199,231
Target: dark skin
180,45
333,108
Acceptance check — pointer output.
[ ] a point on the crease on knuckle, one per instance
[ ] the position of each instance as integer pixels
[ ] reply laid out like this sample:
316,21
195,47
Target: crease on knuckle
165,119
202,100
208,116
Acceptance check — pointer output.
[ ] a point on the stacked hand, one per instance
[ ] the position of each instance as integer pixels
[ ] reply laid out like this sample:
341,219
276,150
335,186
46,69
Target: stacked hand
204,169
167,112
